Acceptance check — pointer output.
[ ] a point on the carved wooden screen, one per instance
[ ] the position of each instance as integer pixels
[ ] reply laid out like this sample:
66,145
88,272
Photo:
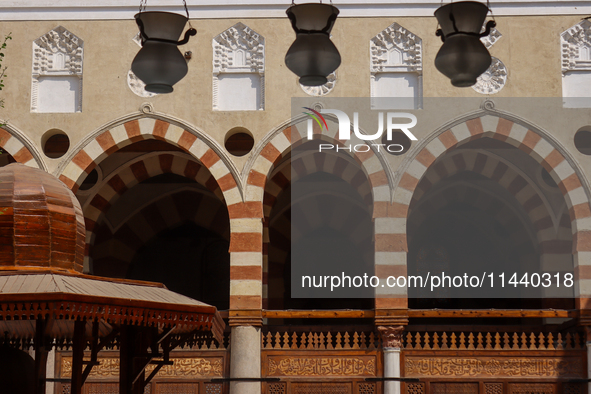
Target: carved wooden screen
454,388
415,388
493,388
532,388
321,388
190,374
176,388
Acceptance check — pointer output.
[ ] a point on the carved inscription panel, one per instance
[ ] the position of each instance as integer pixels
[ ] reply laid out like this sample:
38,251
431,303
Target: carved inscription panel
189,368
487,367
322,366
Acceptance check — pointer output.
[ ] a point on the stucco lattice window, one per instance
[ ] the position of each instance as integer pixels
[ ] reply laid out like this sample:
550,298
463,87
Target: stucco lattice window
238,70
57,72
576,65
396,66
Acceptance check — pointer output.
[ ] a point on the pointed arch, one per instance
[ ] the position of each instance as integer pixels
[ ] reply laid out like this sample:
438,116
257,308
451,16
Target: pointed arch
120,133
532,140
23,150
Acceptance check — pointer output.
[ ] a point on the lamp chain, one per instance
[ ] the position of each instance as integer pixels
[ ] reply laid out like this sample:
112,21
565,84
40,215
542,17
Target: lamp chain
144,3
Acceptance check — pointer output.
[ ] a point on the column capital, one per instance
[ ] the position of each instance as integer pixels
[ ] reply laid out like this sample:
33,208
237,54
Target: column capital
391,336
245,317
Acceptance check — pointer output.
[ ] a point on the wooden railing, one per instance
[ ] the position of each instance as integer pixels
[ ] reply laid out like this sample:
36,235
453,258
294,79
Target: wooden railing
446,340
493,341
326,340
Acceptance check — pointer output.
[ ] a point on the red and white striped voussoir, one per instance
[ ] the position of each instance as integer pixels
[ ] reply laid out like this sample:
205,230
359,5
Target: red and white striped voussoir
124,134
495,169
259,188
391,237
310,164
142,168
17,149
281,144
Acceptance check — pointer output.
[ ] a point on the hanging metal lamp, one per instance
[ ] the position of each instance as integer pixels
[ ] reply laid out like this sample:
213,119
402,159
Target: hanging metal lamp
312,56
463,57
160,64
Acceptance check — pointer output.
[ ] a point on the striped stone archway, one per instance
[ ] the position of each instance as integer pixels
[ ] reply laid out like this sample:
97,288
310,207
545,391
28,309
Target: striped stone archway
279,144
288,172
135,171
109,139
17,144
246,234
517,184
535,142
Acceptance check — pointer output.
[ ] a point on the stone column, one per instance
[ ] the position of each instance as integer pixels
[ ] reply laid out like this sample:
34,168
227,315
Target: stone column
245,359
391,344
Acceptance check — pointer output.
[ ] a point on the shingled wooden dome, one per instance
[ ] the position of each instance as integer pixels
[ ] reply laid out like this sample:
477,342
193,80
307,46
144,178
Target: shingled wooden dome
41,222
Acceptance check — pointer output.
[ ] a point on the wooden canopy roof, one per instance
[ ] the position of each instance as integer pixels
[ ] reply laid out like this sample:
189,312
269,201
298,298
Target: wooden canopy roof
65,297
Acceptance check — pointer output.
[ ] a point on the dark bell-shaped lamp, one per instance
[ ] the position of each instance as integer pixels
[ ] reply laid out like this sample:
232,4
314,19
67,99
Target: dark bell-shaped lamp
312,56
462,57
160,64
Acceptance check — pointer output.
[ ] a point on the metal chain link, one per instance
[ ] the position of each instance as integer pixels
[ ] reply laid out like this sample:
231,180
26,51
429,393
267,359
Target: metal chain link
144,3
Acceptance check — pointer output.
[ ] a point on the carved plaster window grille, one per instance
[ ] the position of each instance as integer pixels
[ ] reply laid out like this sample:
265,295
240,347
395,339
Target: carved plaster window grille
576,65
396,66
238,70
57,72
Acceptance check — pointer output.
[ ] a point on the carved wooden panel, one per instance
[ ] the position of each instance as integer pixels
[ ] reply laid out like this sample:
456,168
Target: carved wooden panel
213,388
493,388
321,388
177,388
415,388
101,388
454,388
496,367
276,388
346,365
366,388
574,388
531,388
184,368
66,388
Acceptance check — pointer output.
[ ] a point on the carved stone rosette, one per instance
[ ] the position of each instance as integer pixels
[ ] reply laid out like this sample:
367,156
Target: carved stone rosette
391,336
492,80
321,90
137,86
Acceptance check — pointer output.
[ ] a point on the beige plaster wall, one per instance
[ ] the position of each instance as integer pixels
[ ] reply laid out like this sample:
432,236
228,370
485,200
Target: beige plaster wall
530,48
